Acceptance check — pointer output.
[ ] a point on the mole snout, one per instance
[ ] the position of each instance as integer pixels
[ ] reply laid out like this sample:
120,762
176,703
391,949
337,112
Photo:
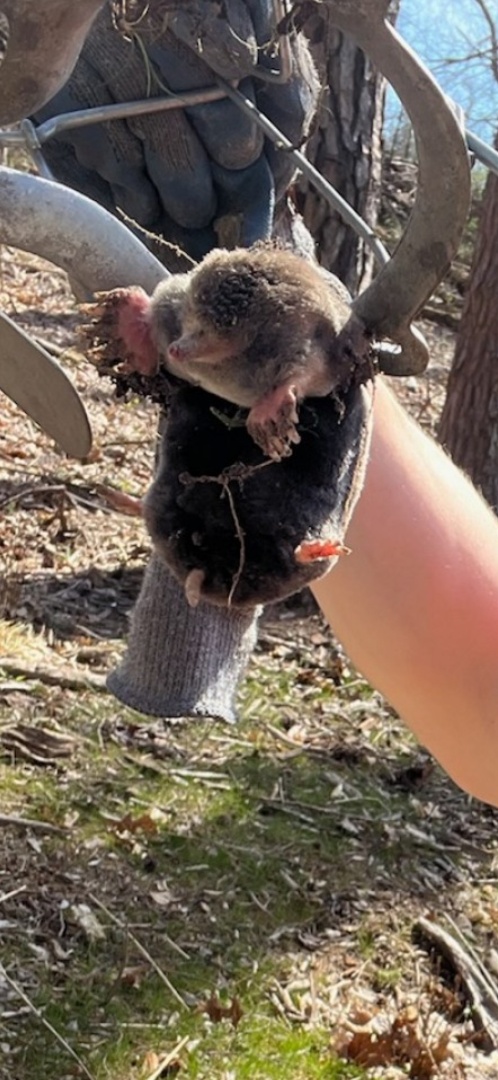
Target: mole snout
176,353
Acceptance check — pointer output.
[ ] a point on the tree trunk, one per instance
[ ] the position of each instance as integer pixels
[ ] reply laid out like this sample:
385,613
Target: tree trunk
346,148
469,421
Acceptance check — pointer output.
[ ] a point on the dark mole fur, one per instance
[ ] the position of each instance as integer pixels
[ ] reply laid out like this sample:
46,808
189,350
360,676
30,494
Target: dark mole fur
277,506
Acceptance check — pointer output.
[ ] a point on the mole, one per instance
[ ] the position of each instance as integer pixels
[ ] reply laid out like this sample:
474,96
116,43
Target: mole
261,327
260,366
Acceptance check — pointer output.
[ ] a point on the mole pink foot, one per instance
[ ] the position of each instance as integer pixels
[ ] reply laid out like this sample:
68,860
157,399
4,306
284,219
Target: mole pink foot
120,330
272,422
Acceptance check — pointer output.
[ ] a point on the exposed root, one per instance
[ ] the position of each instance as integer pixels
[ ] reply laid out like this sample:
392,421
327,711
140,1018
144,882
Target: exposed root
157,241
237,472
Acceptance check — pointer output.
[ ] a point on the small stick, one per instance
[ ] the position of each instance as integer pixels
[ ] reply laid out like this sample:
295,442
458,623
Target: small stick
52,677
41,489
46,1023
480,988
30,823
144,952
238,472
168,1059
242,544
13,892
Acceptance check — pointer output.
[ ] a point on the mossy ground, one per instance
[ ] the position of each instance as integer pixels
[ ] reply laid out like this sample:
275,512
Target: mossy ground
272,872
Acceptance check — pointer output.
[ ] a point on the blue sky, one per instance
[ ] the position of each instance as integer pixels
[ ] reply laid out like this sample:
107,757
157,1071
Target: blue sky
440,31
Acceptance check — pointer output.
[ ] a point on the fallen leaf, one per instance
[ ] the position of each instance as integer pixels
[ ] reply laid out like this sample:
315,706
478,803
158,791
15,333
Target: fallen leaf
402,1043
217,1012
84,917
128,824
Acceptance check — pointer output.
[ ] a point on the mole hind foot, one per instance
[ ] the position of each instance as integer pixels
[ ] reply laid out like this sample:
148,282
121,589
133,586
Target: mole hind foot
312,550
193,587
272,422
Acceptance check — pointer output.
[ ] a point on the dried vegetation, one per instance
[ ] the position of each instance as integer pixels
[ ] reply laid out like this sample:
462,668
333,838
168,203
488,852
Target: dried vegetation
195,900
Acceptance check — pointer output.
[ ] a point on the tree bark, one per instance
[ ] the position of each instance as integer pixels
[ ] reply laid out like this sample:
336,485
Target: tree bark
346,147
469,421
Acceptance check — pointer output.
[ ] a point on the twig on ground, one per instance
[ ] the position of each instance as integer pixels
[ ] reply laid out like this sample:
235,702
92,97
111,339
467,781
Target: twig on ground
168,1059
30,823
479,985
39,489
52,677
144,952
13,892
46,1023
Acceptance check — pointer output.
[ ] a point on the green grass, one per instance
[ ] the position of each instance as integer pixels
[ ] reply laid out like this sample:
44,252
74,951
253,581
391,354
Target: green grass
269,863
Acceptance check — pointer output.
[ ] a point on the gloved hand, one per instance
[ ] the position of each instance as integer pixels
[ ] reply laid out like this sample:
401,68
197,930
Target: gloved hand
186,175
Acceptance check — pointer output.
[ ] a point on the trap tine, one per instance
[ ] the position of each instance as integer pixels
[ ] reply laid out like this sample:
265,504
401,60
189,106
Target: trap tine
38,50
72,231
431,238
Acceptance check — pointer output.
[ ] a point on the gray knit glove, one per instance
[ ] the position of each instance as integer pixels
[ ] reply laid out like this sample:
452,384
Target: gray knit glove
182,661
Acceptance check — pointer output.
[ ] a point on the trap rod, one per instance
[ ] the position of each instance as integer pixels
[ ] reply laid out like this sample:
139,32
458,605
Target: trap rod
34,137
482,150
123,110
319,182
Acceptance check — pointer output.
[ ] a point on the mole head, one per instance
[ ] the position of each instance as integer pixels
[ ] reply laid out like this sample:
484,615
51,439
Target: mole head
201,341
230,289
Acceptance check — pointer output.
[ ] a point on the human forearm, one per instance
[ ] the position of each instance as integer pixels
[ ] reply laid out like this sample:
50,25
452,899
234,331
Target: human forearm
416,603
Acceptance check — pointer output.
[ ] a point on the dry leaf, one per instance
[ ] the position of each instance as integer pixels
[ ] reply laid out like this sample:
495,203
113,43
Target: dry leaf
403,1043
84,917
128,824
217,1012
156,1067
151,1062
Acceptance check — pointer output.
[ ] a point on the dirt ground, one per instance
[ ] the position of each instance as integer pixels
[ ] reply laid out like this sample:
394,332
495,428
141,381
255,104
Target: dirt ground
315,745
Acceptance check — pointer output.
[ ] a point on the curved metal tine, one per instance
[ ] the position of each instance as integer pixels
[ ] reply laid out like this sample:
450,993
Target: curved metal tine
41,388
40,44
73,232
430,241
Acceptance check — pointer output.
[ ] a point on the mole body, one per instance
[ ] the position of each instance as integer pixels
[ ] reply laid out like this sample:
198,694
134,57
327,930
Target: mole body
261,328
245,509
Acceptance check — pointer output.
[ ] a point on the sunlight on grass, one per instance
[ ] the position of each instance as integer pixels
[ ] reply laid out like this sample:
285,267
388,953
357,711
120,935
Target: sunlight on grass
254,865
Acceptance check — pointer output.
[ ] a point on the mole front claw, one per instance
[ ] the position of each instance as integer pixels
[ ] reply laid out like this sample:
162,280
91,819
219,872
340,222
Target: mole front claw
312,550
119,333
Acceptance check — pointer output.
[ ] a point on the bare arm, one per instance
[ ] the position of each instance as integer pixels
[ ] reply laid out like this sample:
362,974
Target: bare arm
416,603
